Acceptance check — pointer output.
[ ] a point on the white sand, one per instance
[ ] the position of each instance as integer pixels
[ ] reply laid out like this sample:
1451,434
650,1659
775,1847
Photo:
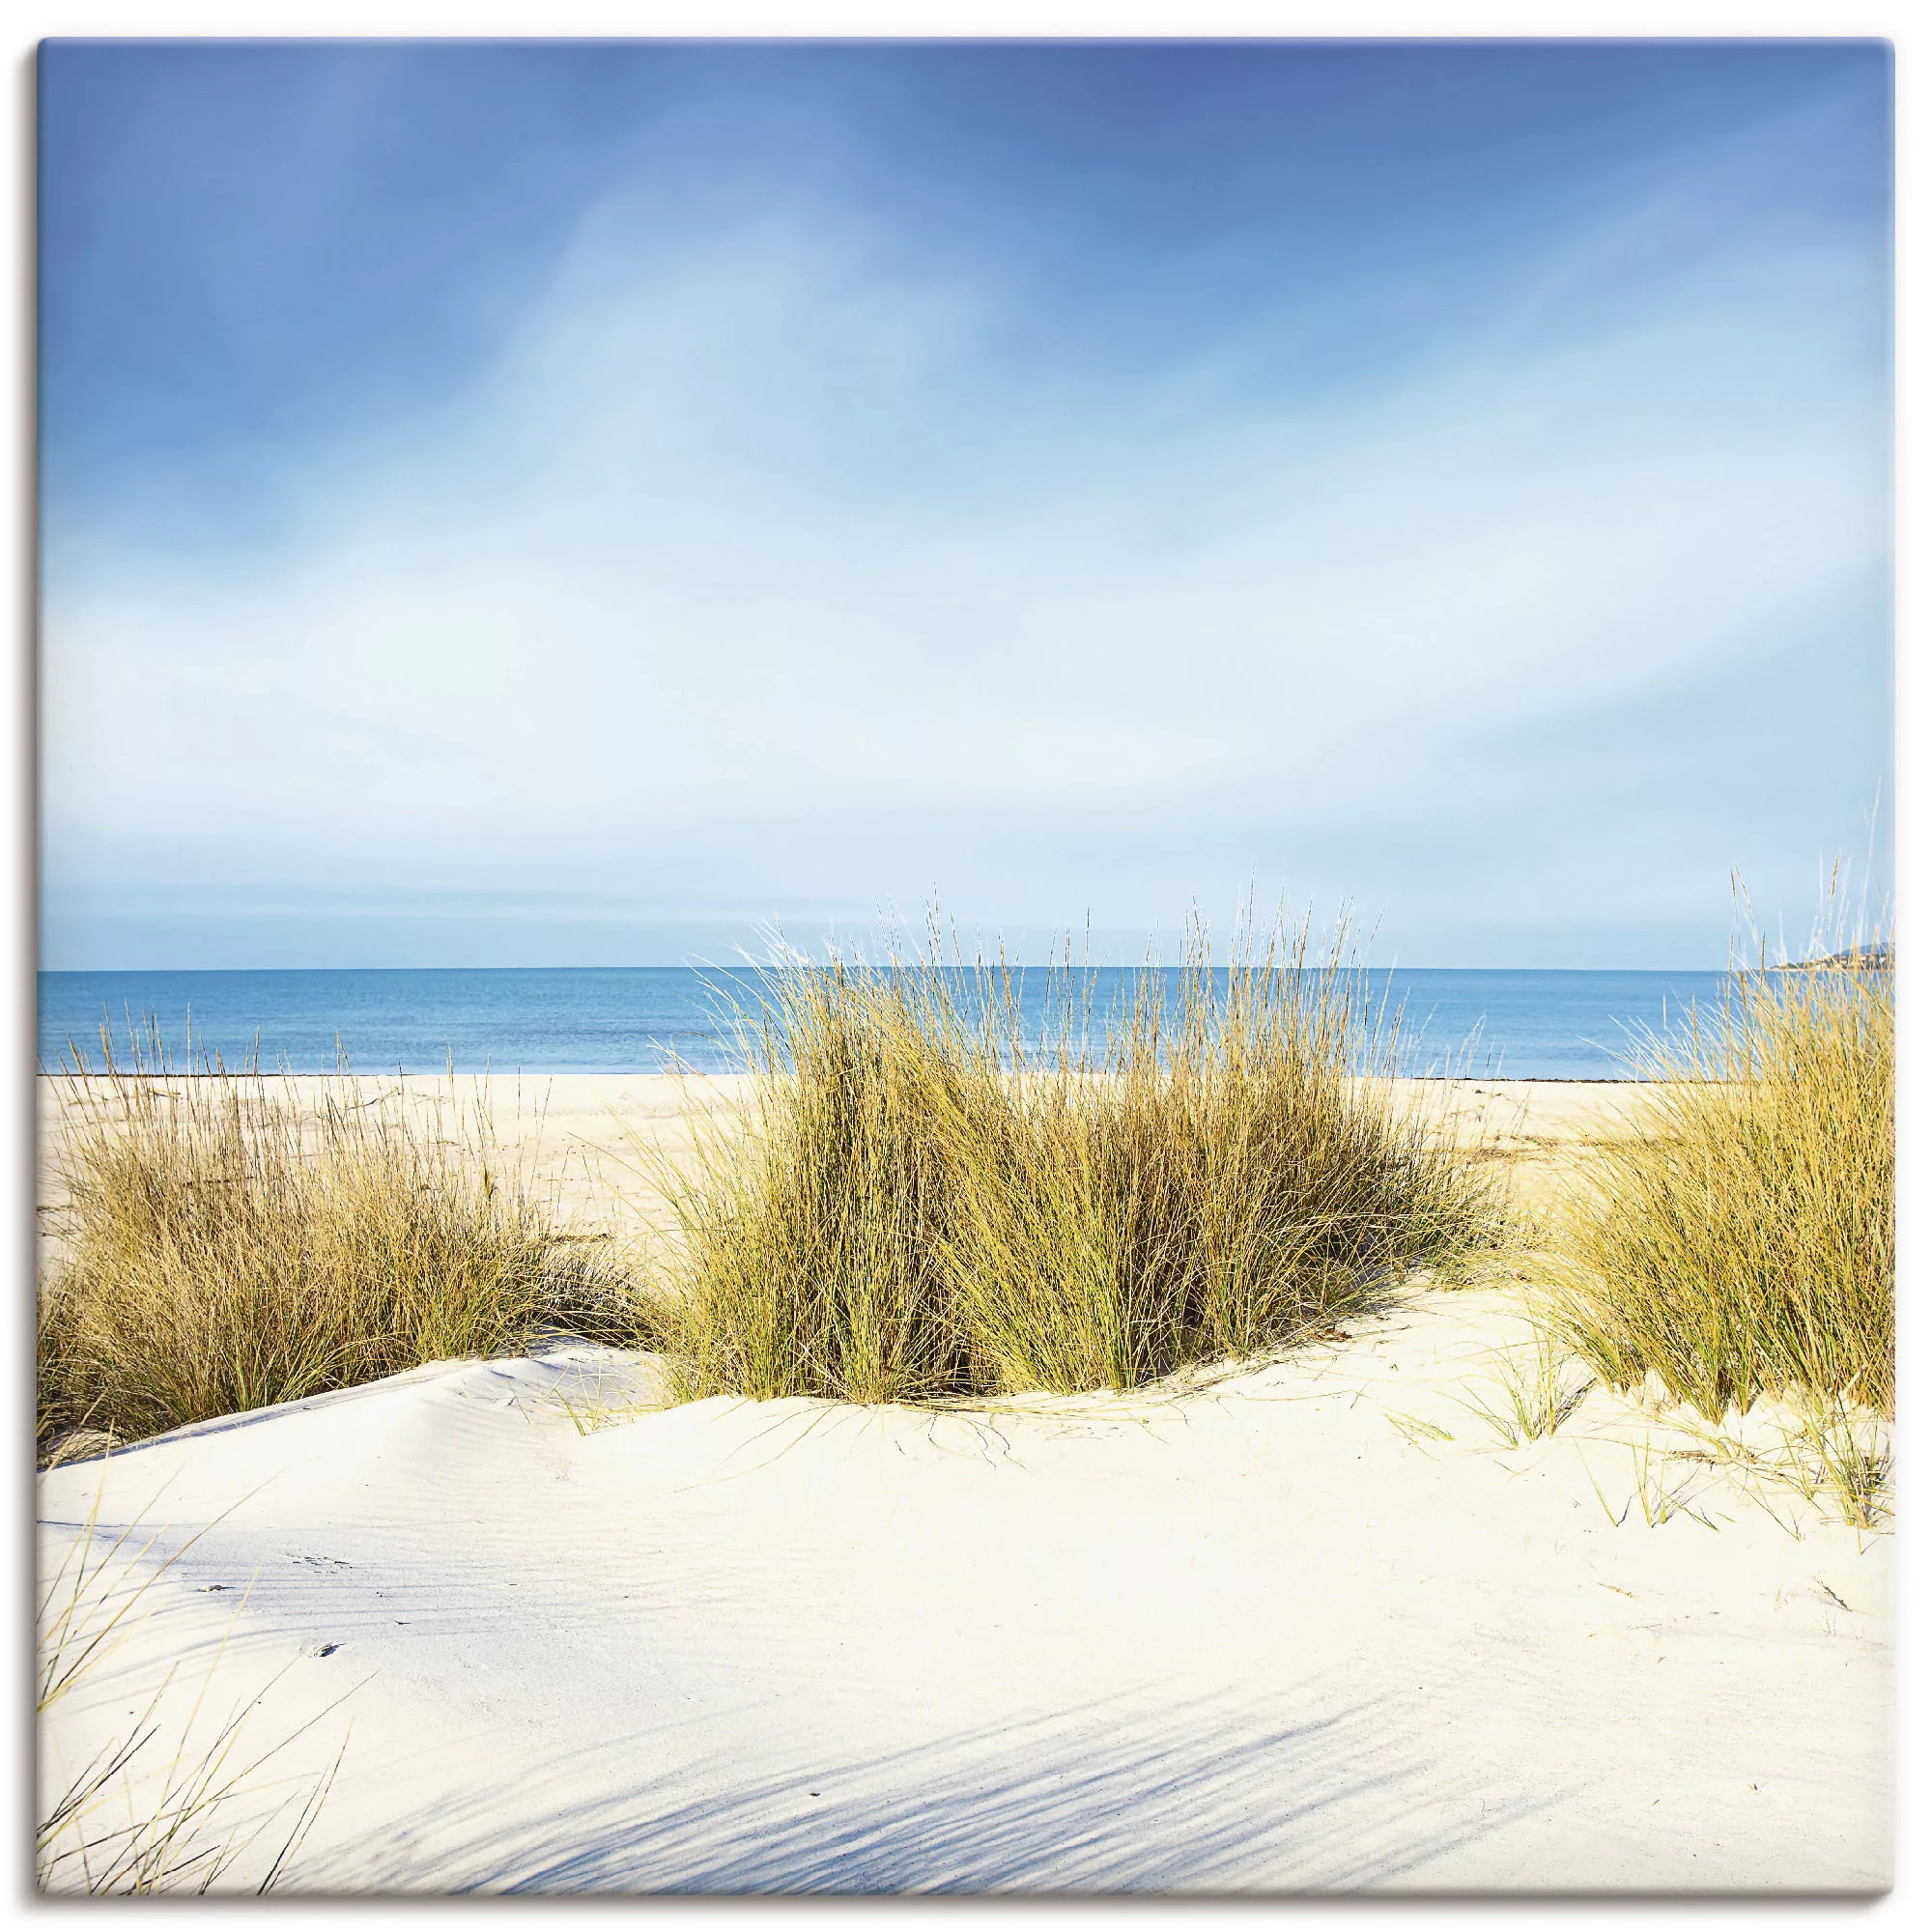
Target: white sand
1312,1627
578,1135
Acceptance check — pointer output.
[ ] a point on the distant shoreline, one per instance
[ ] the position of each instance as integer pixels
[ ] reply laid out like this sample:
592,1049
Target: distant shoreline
1854,959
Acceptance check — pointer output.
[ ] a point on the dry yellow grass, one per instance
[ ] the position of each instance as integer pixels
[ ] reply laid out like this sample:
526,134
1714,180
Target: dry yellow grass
226,1244
931,1201
1741,1241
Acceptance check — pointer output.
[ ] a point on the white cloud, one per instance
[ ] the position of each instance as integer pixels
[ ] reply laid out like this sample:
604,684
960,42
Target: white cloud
781,537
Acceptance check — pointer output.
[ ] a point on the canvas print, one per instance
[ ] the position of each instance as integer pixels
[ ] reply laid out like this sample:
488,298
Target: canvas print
965,967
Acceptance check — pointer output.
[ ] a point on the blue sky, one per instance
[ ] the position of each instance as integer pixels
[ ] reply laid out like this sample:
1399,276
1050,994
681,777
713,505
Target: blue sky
575,504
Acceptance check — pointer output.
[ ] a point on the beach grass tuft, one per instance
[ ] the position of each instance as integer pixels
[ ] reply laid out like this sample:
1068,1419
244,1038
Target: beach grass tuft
225,1244
932,1197
1740,1242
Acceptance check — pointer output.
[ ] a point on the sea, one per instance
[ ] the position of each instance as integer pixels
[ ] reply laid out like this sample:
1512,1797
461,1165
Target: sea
1523,1025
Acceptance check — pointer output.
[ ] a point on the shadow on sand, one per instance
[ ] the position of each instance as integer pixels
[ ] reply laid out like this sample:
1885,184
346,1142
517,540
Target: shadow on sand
1199,1799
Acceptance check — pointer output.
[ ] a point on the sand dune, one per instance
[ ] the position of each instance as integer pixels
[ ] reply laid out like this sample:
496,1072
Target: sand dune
1310,1627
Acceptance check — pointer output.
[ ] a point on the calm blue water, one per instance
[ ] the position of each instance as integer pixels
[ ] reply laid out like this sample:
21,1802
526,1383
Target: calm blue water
1523,1025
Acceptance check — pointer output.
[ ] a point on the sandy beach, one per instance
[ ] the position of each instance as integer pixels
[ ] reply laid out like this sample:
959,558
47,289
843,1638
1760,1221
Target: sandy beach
579,1133
1313,1625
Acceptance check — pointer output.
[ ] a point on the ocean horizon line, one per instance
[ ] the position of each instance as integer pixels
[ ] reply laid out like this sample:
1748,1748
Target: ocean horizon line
1551,1023
758,966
